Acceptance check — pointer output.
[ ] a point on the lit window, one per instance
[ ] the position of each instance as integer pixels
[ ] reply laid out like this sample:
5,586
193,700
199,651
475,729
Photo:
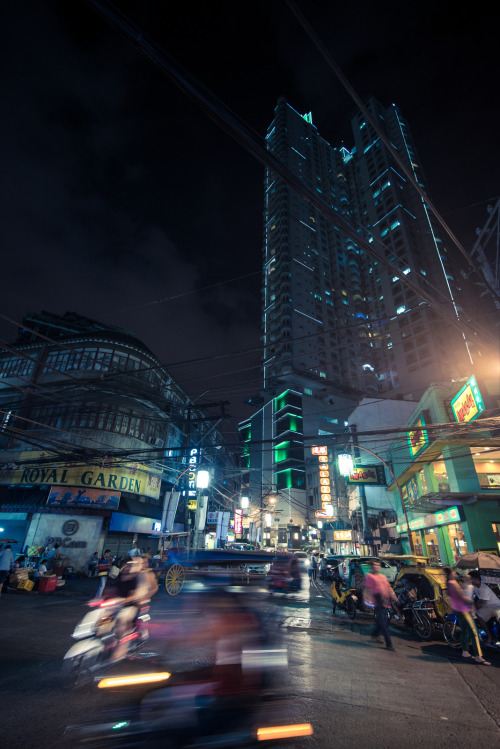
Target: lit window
401,309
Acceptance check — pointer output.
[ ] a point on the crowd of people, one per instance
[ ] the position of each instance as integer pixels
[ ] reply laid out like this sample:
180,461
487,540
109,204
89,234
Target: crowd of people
43,560
474,603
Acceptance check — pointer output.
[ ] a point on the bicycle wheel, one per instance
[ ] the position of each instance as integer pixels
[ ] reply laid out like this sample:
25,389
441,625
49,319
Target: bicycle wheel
351,607
423,627
174,579
451,633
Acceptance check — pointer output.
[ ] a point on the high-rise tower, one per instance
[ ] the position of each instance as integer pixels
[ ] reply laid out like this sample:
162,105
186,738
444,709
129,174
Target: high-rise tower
330,311
337,323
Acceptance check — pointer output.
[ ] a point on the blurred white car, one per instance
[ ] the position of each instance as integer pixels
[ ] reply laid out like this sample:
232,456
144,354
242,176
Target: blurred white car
257,568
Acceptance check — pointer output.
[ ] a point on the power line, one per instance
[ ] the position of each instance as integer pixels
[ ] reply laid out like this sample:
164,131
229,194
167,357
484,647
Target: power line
387,143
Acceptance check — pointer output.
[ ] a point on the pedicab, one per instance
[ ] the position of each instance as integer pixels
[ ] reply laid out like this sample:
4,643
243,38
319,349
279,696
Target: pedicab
428,612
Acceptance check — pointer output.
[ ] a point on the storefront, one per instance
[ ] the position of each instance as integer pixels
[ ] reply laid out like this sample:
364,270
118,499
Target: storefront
440,535
125,529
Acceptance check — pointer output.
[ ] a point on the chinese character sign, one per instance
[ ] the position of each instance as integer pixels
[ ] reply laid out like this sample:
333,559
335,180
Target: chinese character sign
324,482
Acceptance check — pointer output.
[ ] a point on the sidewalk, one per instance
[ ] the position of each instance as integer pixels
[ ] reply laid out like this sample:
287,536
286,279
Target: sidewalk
83,587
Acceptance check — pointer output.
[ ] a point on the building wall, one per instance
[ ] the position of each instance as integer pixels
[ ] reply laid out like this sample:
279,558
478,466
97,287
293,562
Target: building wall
46,530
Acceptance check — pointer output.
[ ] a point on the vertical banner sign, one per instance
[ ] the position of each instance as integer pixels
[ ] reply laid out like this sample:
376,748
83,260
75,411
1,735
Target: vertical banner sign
324,482
417,437
194,458
238,521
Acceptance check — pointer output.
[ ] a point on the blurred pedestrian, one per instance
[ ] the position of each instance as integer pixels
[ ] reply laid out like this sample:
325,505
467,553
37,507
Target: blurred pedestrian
379,593
6,562
53,555
134,551
314,567
103,571
92,564
462,606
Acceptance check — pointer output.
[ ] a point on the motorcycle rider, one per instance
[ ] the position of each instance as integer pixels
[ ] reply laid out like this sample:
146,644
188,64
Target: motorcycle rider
134,588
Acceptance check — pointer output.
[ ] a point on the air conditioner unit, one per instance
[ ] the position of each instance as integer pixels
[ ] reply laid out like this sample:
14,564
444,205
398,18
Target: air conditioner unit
156,442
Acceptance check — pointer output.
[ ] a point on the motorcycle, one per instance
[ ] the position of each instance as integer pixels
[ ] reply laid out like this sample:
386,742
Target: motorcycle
98,643
451,631
216,707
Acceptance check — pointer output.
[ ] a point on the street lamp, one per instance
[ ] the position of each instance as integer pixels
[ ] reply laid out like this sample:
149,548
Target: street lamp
202,482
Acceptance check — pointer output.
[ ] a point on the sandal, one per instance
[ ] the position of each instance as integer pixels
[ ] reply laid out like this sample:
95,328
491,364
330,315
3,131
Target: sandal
481,661
466,655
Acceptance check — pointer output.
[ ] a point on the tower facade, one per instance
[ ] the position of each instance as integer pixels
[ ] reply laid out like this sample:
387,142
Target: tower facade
337,324
330,311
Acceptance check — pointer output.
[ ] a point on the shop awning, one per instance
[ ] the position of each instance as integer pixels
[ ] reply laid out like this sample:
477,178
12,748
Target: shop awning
133,506
441,500
22,499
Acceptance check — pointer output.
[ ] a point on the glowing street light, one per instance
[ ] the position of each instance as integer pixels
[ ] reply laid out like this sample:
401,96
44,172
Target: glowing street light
202,479
345,464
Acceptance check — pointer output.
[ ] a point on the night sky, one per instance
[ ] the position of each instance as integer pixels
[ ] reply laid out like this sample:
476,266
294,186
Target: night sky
118,192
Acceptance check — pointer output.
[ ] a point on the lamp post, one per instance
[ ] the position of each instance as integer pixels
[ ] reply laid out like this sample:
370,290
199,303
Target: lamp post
360,447
202,482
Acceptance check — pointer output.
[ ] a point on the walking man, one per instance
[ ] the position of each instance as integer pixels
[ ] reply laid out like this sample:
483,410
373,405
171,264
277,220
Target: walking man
314,567
6,562
377,589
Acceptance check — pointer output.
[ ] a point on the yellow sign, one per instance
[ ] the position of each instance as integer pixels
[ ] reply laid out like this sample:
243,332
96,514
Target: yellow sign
468,403
342,535
417,438
192,504
29,468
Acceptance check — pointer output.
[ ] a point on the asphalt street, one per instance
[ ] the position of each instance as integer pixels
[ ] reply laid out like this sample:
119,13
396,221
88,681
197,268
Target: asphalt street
355,693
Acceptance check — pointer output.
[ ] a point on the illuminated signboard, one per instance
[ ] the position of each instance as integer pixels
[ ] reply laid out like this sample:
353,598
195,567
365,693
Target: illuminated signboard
451,515
342,535
238,521
32,467
72,496
194,457
324,482
417,438
374,475
410,492
468,403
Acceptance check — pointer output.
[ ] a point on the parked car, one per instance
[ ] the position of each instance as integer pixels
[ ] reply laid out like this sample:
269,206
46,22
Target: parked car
386,568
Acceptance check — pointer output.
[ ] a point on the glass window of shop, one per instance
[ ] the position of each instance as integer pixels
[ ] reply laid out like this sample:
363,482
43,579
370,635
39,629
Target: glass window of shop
457,539
431,543
496,531
417,544
441,475
487,465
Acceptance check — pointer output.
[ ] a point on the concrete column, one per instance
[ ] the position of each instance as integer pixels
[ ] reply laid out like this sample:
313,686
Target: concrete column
462,475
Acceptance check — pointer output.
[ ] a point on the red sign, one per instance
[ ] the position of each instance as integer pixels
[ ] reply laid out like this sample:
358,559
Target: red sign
238,521
324,481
